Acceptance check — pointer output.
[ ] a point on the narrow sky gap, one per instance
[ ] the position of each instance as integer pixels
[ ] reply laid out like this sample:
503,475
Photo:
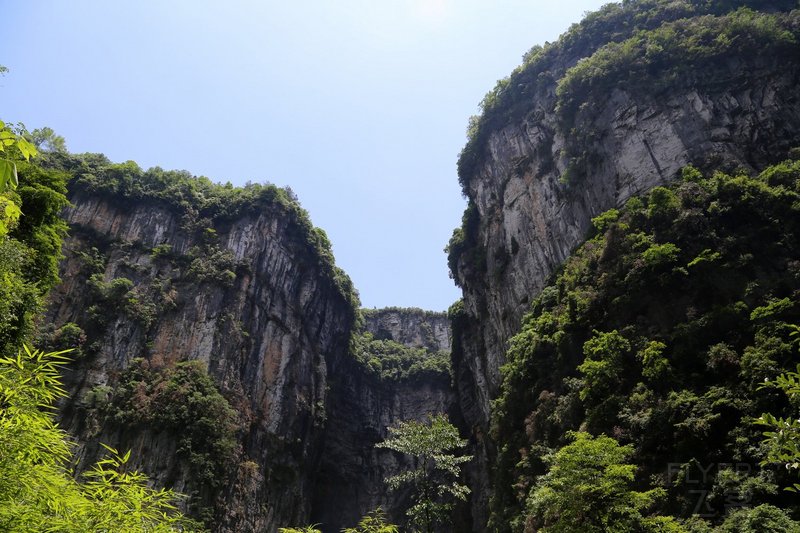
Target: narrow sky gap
360,107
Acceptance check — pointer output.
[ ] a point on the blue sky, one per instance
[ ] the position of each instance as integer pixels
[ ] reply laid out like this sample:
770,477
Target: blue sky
361,107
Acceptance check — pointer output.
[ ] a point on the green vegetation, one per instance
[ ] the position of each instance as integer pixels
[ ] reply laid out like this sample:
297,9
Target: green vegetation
46,140
393,361
403,311
141,303
588,489
660,332
30,244
437,469
636,44
183,400
465,241
37,489
783,437
210,263
374,522
759,519
13,147
70,337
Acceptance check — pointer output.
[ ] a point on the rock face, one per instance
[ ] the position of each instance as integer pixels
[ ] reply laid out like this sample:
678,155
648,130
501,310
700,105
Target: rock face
263,320
412,327
362,407
248,300
528,220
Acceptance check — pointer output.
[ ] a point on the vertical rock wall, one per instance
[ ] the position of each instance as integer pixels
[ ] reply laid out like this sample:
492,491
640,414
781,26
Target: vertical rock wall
743,116
362,407
412,327
249,301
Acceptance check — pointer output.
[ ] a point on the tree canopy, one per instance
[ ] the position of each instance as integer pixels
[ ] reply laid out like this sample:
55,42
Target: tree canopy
435,477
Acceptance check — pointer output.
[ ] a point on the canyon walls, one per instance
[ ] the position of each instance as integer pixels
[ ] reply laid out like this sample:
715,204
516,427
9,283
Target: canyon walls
549,154
245,299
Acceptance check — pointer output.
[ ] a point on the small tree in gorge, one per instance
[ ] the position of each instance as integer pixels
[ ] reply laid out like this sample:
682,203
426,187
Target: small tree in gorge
436,469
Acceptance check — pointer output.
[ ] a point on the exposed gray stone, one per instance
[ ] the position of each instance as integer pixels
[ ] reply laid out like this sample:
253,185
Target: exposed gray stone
530,221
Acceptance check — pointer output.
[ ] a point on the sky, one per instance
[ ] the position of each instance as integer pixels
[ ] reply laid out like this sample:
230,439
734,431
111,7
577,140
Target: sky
360,106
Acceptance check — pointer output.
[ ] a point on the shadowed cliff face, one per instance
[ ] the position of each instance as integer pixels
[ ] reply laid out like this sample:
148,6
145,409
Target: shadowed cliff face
529,215
362,407
530,221
246,300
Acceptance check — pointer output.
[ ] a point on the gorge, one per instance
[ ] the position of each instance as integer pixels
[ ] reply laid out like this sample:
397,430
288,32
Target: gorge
636,182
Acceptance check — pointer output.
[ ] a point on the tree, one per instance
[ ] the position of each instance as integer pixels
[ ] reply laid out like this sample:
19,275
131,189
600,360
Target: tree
588,489
436,469
783,438
374,522
758,519
13,147
38,491
46,140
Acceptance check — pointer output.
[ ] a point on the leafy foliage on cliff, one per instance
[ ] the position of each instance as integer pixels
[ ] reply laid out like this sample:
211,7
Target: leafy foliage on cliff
464,246
29,251
37,489
183,400
658,332
392,361
783,433
634,44
203,205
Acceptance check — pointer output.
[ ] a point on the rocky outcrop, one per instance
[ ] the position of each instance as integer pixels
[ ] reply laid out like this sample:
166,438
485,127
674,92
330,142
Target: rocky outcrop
362,407
247,299
412,327
353,471
529,213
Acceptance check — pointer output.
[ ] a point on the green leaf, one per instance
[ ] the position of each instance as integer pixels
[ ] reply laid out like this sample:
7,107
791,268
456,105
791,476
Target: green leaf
8,175
28,150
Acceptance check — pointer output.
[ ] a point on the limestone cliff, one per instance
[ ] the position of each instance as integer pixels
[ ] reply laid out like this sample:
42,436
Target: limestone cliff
363,405
249,299
549,154
412,327
158,293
